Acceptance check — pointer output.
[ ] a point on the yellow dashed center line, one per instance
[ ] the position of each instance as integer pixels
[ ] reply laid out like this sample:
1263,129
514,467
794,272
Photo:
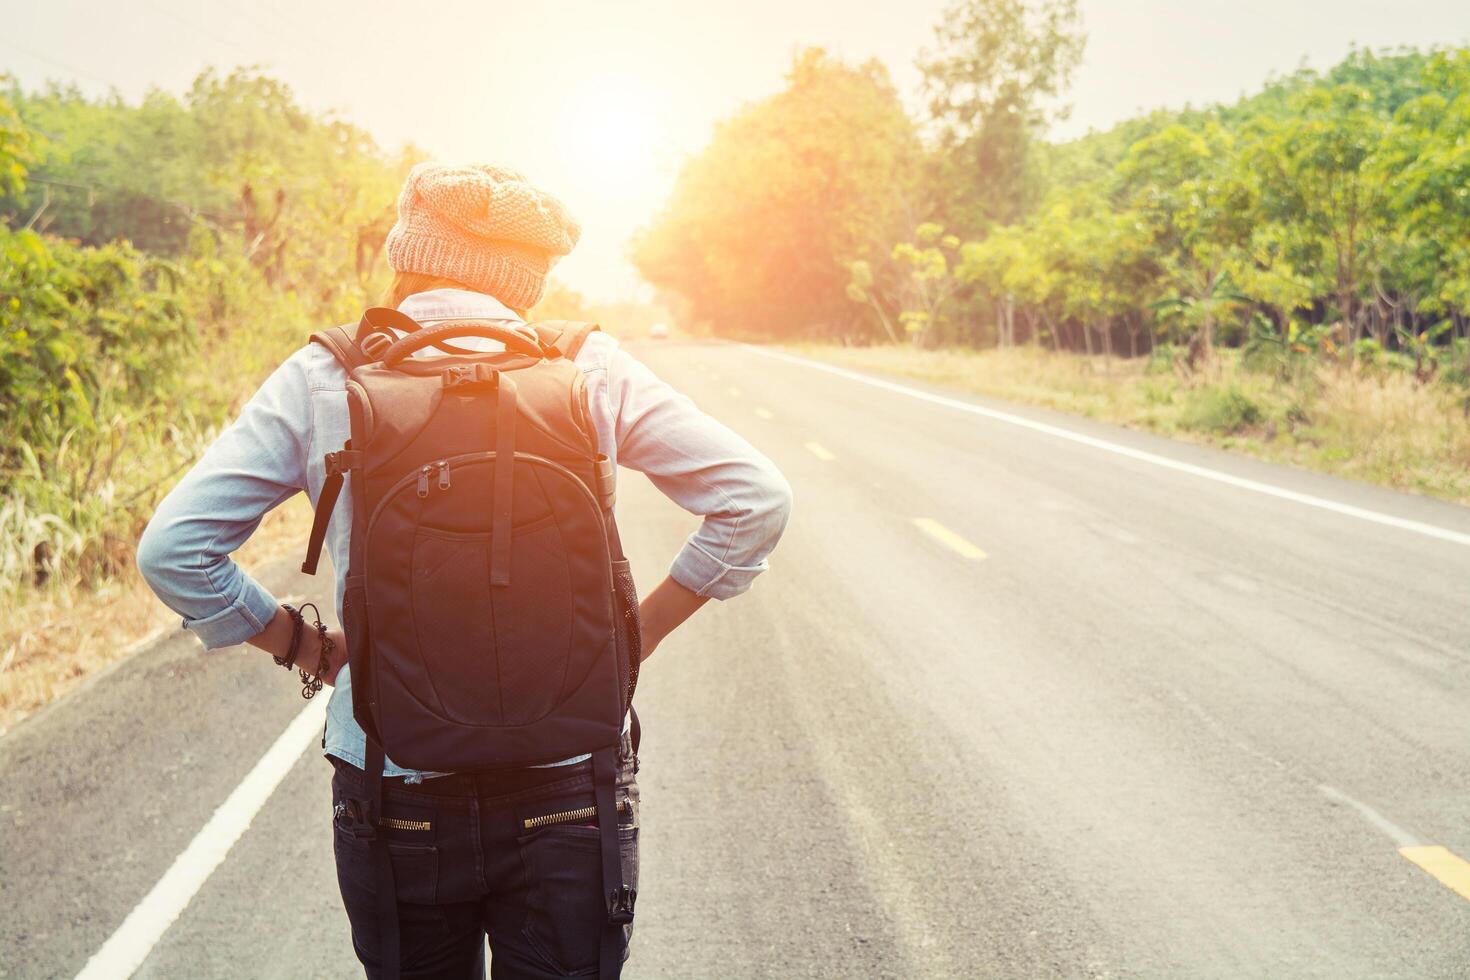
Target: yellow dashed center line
1447,867
948,538
734,391
764,413
820,451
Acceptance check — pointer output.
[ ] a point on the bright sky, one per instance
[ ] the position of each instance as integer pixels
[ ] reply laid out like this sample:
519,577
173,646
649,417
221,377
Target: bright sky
599,102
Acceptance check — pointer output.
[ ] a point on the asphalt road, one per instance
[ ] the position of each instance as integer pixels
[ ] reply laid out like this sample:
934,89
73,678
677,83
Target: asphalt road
1007,705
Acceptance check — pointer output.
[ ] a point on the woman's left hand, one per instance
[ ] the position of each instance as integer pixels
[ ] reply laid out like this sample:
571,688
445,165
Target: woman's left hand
336,657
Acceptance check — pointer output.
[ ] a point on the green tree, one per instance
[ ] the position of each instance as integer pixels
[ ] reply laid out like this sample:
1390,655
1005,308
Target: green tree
991,265
17,150
1321,184
760,232
1024,265
863,287
1426,160
992,80
306,197
1185,189
929,281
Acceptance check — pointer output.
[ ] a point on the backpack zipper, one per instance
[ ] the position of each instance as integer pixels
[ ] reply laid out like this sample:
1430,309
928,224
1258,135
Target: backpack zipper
443,474
569,816
423,480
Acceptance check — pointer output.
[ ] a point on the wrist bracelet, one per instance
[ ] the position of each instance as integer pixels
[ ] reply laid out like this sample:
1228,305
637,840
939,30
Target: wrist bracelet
312,683
289,660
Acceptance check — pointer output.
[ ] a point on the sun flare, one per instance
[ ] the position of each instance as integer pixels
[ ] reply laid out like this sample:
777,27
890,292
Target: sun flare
614,123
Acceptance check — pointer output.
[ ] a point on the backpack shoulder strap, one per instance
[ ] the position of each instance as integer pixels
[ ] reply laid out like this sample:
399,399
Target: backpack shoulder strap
342,347
566,336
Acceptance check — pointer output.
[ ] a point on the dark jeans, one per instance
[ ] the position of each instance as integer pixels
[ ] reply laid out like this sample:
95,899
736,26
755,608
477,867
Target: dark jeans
466,866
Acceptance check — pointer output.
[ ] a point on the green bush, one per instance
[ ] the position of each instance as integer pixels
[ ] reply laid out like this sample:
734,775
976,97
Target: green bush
1158,392
1163,358
1222,409
80,329
116,368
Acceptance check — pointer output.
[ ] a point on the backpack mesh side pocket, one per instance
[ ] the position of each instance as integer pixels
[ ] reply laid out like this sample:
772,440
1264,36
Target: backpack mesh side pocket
632,629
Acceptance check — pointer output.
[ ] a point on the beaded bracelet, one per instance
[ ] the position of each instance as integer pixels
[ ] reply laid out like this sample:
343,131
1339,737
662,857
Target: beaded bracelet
311,683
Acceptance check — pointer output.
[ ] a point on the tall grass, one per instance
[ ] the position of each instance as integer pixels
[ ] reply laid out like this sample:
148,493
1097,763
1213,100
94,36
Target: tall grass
1363,421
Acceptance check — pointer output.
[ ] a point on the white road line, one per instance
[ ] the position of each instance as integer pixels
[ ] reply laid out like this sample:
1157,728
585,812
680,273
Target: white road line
1373,516
1440,863
130,945
1395,833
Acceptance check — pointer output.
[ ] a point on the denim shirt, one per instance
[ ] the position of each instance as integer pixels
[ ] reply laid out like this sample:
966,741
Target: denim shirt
276,447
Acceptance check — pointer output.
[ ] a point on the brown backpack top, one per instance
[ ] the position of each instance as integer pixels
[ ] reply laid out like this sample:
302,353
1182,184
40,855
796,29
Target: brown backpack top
490,614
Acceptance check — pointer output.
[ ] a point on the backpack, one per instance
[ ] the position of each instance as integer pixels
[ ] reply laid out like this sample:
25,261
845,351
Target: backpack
490,613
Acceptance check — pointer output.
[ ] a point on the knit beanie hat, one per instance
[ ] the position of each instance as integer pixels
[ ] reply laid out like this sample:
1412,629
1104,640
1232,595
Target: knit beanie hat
483,226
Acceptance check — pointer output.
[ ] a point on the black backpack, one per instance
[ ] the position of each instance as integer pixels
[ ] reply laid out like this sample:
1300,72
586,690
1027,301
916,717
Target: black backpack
490,614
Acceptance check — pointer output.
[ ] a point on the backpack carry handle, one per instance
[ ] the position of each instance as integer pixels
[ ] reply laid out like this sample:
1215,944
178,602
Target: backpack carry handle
513,340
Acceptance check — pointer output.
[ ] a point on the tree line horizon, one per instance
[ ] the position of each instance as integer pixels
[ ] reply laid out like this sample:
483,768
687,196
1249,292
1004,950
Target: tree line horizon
1326,215
157,258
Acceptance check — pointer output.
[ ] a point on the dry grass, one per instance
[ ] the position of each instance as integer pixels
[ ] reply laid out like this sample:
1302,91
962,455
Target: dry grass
1379,426
56,637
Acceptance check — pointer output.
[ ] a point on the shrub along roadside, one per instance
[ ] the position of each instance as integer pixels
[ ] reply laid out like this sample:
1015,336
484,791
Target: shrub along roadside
259,222
1363,422
116,369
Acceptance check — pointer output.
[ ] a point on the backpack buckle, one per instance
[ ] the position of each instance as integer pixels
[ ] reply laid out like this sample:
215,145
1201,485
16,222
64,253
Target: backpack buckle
464,375
375,343
620,905
343,460
356,822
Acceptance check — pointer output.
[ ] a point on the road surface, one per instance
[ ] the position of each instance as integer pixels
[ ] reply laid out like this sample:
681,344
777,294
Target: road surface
1013,701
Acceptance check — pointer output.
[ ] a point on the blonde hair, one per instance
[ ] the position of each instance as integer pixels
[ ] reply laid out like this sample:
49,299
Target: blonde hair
405,284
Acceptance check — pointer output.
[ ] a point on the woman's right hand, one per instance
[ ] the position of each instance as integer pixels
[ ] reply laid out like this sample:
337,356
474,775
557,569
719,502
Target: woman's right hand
662,611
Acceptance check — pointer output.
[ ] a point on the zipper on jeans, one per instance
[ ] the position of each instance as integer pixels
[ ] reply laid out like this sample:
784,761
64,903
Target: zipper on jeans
397,824
341,810
569,816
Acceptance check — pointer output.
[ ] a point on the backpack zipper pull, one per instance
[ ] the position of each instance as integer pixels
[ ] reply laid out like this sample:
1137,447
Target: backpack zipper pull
443,475
424,481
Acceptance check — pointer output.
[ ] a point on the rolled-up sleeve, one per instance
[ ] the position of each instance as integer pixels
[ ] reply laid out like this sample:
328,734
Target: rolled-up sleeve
255,464
706,468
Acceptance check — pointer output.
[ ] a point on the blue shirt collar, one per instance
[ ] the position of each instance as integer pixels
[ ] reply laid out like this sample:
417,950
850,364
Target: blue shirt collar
456,304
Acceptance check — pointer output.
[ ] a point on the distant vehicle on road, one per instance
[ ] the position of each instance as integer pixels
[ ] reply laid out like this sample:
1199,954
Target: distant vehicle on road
659,331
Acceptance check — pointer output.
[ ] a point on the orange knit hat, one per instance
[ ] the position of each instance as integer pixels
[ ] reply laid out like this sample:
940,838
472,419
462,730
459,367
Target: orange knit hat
484,226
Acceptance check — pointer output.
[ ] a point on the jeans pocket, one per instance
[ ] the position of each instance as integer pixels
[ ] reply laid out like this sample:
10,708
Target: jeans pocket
415,864
567,910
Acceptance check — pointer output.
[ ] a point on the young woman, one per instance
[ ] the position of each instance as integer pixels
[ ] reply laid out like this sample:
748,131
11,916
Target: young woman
470,243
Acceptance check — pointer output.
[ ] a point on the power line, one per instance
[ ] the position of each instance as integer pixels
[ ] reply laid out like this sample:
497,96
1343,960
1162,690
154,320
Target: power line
319,42
56,63
262,28
293,41
207,32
